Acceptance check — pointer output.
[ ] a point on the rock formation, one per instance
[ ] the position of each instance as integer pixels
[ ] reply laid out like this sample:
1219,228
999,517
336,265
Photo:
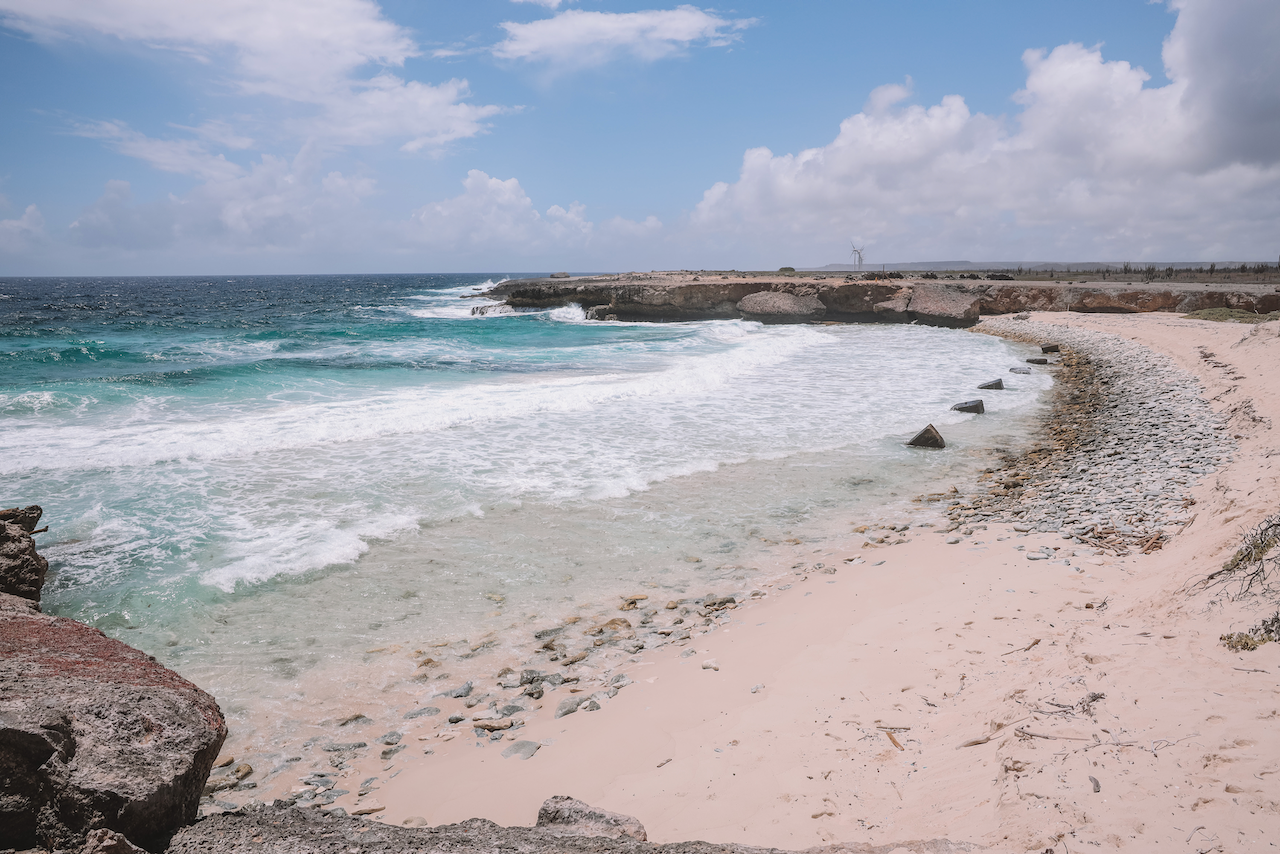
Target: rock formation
779,306
93,733
22,569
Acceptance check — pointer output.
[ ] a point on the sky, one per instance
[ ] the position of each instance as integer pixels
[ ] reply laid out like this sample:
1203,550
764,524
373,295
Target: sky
148,137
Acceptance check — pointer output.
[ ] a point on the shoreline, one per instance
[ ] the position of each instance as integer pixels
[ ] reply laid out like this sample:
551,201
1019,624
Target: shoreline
681,712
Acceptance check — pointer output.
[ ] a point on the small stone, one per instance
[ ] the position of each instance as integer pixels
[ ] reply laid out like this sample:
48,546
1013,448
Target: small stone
429,711
1051,348
392,751
994,384
590,706
974,407
929,437
951,541
368,809
224,760
756,689
343,746
521,749
390,738
672,605
710,664
493,726
568,706
1037,360
414,821
463,690
457,719
1019,370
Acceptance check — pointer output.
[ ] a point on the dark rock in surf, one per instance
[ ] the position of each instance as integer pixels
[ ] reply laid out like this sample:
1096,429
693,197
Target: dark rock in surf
1051,348
22,569
25,518
558,276
1019,370
972,406
1037,360
994,384
929,437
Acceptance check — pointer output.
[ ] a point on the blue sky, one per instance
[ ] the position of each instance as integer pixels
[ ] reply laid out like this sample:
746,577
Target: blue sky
240,136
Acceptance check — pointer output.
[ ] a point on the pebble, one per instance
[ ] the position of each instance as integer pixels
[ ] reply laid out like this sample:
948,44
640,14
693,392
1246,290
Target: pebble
568,706
428,711
710,664
521,749
1130,442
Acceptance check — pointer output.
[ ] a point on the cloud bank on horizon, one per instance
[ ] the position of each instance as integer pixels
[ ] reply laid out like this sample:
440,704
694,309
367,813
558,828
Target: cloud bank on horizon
282,135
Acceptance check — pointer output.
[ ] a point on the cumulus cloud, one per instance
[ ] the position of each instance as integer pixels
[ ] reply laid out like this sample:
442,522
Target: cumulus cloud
1096,165
276,204
577,38
299,51
495,219
21,234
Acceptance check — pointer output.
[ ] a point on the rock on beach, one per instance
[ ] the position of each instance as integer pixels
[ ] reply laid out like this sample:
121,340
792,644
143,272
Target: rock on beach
94,734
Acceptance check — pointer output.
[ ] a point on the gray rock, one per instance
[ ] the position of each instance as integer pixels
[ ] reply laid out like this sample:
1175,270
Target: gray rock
558,276
94,734
971,406
1019,370
1050,348
428,711
569,816
569,705
521,749
1037,360
280,829
994,384
22,569
390,738
780,306
463,690
343,747
929,437
941,305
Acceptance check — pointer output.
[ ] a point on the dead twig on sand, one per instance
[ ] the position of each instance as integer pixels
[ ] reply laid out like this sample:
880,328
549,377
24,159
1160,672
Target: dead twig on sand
1029,734
1023,649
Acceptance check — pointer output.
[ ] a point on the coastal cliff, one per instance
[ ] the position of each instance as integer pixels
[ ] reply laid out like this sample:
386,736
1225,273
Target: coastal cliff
786,298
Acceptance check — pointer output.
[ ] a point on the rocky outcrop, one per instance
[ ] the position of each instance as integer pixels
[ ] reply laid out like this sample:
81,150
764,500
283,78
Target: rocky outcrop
939,305
22,569
781,307
277,829
562,814
94,734
786,298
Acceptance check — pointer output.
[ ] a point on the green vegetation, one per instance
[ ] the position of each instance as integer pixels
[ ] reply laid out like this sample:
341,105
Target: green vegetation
786,269
1232,315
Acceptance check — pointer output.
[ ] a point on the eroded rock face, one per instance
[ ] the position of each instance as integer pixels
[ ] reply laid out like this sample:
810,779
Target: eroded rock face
779,306
94,734
939,305
22,569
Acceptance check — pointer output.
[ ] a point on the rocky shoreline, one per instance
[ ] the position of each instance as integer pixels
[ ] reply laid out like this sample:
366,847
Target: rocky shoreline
1127,439
868,298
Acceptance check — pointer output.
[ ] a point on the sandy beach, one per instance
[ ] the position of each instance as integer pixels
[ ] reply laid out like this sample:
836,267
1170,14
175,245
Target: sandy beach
919,683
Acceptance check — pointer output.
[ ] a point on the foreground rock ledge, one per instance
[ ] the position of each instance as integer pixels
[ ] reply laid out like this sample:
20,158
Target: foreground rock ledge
94,734
279,829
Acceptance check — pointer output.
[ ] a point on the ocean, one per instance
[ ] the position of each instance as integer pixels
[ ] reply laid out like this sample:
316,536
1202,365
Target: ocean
287,487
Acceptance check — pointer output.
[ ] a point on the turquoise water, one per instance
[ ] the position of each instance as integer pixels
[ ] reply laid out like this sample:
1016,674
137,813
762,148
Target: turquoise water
257,478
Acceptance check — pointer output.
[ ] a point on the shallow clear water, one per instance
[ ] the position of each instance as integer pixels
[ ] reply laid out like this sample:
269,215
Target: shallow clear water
255,479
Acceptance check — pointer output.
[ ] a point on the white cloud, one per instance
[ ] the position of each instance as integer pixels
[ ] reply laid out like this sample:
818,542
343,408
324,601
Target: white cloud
1097,165
300,51
183,156
275,205
21,234
550,4
495,213
577,38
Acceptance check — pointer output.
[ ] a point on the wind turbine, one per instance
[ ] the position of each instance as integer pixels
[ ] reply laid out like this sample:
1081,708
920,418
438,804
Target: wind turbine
855,252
